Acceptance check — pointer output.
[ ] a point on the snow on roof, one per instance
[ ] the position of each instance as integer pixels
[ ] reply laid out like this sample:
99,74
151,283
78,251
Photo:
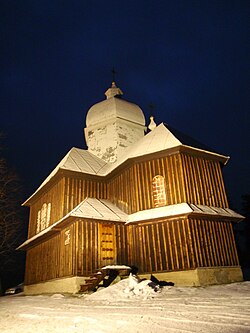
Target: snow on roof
99,209
37,236
102,209
225,212
164,137
114,107
160,139
83,161
116,267
78,160
154,213
157,140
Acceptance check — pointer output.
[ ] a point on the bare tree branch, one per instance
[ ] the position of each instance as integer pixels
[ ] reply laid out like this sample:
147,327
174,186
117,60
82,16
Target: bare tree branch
10,217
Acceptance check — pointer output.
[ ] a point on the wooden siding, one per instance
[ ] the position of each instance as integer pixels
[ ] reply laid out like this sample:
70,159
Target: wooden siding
82,254
97,245
188,179
88,247
64,196
54,196
166,245
121,244
77,189
52,258
203,181
42,261
172,245
181,245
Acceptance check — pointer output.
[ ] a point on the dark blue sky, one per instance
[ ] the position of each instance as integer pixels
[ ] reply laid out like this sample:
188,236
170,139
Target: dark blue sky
189,58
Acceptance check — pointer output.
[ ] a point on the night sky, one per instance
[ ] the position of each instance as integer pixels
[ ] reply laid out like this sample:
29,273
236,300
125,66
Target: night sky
188,58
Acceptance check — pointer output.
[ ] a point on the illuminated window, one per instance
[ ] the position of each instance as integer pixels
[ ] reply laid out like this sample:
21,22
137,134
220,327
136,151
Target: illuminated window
159,191
43,217
38,222
48,214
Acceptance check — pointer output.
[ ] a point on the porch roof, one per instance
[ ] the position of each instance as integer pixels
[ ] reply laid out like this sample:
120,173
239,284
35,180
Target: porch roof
104,210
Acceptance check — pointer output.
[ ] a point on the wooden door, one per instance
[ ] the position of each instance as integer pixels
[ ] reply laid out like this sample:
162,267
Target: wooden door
107,244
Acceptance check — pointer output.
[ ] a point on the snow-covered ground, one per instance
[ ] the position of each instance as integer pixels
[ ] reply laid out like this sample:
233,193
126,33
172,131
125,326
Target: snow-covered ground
224,308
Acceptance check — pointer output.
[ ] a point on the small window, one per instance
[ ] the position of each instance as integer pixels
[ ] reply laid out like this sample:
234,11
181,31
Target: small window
48,214
43,217
67,237
38,222
159,191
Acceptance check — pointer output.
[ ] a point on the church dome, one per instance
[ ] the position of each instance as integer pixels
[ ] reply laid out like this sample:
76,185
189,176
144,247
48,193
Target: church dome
114,107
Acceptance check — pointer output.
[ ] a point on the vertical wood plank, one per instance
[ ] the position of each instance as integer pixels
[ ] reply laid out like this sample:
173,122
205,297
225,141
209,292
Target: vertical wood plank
186,263
192,244
159,250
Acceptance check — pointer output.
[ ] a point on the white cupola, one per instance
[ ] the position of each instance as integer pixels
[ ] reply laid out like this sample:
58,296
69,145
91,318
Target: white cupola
112,125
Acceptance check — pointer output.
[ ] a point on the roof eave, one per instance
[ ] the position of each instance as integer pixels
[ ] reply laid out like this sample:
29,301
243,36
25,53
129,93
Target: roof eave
40,188
222,158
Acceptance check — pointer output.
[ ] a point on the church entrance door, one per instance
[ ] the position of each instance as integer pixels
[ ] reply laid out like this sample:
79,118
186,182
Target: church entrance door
107,244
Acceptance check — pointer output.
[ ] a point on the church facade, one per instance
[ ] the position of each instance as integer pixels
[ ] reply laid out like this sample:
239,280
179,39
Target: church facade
156,201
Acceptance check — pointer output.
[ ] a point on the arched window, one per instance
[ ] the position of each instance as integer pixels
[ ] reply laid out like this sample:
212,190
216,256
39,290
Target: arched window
159,191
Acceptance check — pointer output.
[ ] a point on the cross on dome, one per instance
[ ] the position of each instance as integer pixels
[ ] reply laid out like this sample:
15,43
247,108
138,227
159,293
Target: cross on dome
113,91
113,74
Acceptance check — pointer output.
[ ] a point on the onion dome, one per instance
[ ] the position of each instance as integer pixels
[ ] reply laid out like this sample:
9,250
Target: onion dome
114,107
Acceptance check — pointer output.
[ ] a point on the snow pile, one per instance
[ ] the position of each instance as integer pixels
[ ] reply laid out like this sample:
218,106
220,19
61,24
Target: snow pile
125,289
214,309
57,296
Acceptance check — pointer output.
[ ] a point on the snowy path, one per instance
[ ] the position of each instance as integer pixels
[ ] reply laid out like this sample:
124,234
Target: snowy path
212,309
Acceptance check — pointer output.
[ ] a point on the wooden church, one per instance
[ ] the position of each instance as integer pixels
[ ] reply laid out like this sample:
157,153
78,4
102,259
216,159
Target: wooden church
156,201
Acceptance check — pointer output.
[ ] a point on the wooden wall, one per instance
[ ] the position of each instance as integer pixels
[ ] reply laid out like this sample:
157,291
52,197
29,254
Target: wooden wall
203,181
167,245
77,189
88,246
122,247
64,196
55,196
74,251
188,179
52,258
181,244
42,261
172,245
